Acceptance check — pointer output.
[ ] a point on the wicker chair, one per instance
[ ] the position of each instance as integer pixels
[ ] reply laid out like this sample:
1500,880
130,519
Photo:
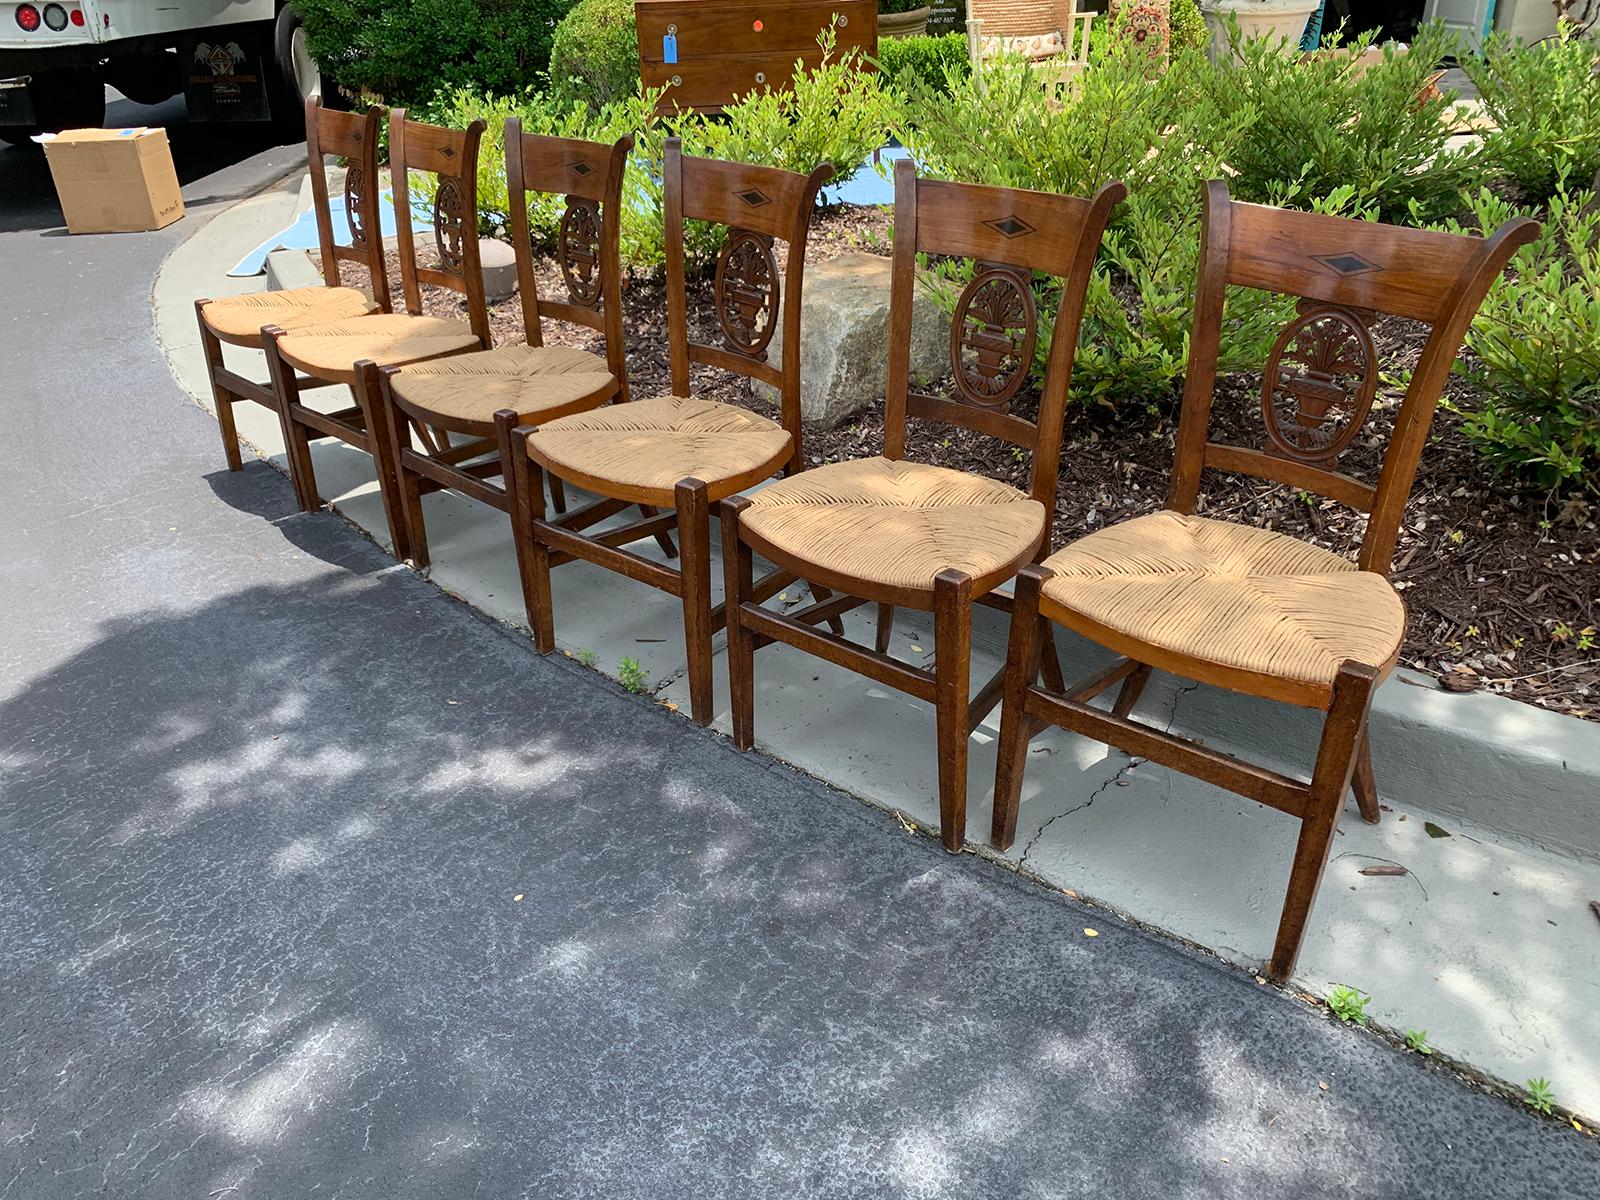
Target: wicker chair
678,452
459,395
1049,33
898,532
352,351
1248,609
237,320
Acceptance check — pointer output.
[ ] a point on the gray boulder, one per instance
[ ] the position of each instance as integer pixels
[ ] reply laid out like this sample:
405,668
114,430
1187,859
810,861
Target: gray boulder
844,351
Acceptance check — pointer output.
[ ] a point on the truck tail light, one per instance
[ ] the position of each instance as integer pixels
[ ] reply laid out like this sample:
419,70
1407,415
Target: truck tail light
77,17
55,17
27,17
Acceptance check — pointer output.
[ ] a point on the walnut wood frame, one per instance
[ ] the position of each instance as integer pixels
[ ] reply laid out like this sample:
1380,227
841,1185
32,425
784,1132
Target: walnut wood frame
353,136
703,190
1436,278
586,172
1020,231
452,157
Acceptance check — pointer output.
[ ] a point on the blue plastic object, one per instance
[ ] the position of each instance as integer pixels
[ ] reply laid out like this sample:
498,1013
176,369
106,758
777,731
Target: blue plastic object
302,235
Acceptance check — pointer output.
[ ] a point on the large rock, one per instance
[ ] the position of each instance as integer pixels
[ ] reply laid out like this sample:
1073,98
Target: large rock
844,349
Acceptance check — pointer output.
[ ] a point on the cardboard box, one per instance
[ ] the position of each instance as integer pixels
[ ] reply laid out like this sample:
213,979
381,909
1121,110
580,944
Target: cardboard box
114,180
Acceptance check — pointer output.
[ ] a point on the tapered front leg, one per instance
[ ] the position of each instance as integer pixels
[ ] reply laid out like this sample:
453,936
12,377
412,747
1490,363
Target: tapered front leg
694,537
297,447
1336,760
221,397
952,639
525,501
1022,666
738,567
382,445
407,483
1365,784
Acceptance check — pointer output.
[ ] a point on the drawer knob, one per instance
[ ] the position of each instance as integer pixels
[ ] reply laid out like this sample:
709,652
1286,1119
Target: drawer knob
761,76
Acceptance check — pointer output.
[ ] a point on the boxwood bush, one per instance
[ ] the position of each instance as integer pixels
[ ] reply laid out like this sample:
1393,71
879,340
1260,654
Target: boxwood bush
407,51
595,55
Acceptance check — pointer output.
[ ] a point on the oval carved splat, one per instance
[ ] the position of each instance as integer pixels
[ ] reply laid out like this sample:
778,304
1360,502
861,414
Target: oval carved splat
449,211
992,336
1319,384
355,199
578,251
746,292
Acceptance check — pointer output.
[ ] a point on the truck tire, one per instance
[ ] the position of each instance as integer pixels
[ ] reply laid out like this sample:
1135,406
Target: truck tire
295,74
73,98
146,78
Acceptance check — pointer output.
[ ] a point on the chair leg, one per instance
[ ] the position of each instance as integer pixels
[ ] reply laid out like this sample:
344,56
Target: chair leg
1050,661
220,396
1022,665
558,493
885,627
693,503
952,640
738,574
407,483
525,499
1336,759
1132,687
297,447
1365,785
381,444
820,594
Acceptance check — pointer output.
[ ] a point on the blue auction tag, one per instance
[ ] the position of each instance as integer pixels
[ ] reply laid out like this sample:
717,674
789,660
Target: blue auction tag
669,49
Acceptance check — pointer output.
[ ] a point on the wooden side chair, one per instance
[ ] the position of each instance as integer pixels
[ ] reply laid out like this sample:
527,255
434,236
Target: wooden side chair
1051,34
678,452
352,351
903,533
460,395
237,320
1243,608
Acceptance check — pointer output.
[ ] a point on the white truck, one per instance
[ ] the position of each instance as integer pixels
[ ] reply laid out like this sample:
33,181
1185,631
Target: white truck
234,60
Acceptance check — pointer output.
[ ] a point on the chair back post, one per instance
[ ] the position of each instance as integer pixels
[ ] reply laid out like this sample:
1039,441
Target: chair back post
758,205
451,156
589,176
1011,235
1321,380
1205,340
1064,344
1427,384
354,137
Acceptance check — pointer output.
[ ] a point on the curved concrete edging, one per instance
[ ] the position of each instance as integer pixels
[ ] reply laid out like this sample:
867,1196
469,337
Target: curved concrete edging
1491,919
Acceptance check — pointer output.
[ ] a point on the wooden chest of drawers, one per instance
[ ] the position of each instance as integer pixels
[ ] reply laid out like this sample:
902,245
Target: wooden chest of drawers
725,49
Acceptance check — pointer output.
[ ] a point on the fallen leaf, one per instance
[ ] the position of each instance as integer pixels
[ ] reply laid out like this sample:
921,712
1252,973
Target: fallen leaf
1384,871
1322,1085
1435,831
1087,932
1458,681
915,649
517,899
1070,892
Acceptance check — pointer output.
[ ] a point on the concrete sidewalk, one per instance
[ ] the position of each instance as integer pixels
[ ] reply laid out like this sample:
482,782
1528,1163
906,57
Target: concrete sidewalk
1491,920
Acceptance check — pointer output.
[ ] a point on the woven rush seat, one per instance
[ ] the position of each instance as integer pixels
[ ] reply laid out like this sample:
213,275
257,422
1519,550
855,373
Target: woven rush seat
238,319
640,450
462,393
1239,605
388,339
895,524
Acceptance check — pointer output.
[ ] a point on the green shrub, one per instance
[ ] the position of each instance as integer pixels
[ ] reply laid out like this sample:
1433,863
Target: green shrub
595,54
834,113
1012,133
1316,122
1537,345
1546,100
933,60
406,51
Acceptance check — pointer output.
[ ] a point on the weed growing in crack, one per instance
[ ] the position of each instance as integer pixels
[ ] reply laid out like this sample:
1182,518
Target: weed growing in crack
1348,1005
1417,1039
633,676
1540,1096
586,656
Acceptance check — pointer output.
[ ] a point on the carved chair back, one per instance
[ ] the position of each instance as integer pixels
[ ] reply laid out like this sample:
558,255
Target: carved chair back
589,176
758,205
1321,377
451,156
353,137
1011,236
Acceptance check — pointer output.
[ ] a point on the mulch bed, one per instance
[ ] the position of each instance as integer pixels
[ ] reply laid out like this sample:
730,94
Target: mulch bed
1501,583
